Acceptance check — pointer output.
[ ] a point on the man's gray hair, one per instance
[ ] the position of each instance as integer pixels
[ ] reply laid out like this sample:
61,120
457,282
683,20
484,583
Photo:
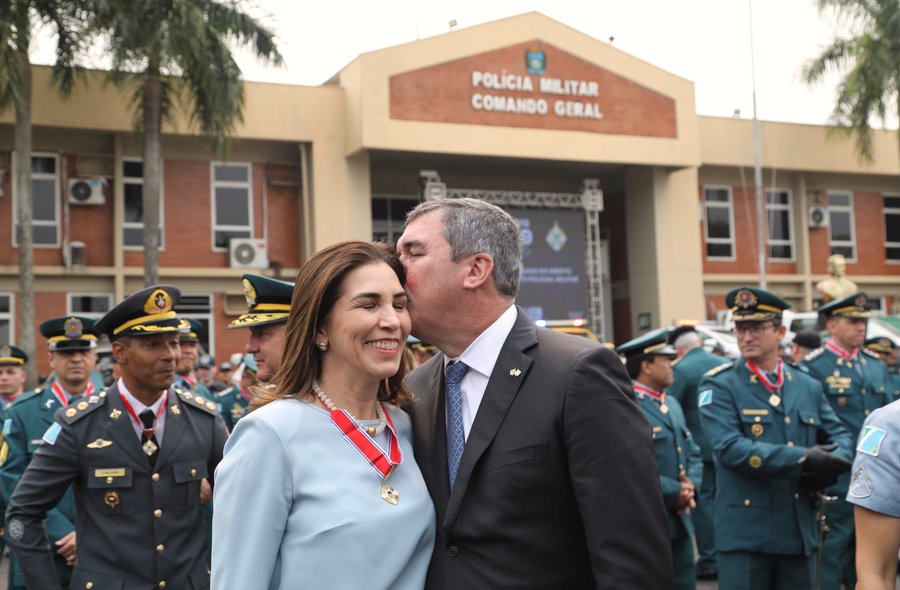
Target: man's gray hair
689,339
472,226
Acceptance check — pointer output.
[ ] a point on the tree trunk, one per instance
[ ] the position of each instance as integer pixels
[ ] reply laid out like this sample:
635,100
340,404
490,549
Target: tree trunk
152,106
23,219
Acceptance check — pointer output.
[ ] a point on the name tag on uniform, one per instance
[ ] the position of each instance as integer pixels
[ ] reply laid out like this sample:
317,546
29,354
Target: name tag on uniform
755,412
657,429
114,472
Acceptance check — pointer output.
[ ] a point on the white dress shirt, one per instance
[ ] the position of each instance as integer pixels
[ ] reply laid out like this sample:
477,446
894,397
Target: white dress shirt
138,407
481,356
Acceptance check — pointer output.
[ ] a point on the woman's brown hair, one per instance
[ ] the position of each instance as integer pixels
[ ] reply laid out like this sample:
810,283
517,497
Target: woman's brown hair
317,288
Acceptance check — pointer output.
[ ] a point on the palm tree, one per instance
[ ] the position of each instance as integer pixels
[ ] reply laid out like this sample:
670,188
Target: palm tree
17,18
870,56
171,50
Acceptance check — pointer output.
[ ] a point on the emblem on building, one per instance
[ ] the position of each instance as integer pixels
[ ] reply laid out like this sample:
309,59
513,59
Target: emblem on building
536,61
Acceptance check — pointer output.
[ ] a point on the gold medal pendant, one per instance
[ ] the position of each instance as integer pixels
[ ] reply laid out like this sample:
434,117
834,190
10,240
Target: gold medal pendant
664,408
774,399
149,447
389,494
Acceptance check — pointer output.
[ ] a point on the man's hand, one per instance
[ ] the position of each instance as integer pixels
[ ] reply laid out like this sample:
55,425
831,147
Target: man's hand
68,548
205,491
820,468
685,500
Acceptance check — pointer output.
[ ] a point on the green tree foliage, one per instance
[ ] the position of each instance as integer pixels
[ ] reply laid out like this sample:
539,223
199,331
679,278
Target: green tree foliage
178,52
868,57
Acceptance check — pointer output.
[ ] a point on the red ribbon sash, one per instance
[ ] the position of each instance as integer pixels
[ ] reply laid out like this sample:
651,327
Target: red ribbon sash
838,351
60,394
659,396
362,442
779,370
130,410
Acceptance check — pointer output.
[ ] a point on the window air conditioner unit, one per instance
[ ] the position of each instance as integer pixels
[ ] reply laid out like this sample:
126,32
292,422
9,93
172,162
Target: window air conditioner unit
248,253
818,217
87,191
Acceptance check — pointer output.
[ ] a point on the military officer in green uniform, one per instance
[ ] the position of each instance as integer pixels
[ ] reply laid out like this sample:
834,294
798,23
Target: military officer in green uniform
648,360
887,351
72,345
12,382
776,442
689,367
190,332
233,401
269,301
856,384
135,455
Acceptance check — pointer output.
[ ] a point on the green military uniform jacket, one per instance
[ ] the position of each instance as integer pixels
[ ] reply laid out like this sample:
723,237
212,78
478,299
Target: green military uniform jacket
894,387
138,526
757,447
676,452
852,394
688,371
232,405
26,422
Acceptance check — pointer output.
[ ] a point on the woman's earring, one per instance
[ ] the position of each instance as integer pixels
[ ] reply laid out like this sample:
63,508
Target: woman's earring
323,346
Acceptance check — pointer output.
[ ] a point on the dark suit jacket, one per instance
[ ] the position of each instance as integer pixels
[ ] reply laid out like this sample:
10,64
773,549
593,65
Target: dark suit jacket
136,525
557,486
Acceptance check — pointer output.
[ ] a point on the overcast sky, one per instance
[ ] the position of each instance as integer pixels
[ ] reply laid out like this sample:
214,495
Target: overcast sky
705,41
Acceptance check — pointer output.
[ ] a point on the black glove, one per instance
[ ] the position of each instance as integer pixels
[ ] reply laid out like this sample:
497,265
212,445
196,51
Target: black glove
820,468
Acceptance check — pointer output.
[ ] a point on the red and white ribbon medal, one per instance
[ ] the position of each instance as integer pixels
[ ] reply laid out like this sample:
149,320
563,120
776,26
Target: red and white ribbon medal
383,463
774,399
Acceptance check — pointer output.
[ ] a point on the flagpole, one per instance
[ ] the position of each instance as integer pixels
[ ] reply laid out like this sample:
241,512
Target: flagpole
757,169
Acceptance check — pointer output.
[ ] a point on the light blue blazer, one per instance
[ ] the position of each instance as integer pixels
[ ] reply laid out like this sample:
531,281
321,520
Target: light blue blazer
297,506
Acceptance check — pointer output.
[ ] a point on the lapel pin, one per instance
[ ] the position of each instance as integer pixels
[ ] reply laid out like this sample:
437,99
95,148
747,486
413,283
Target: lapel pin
514,372
48,404
115,414
175,410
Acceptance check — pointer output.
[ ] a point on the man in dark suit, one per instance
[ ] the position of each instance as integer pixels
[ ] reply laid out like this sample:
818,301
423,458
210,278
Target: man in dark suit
135,455
539,461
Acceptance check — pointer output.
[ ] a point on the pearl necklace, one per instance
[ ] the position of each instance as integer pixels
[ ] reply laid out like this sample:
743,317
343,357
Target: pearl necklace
370,430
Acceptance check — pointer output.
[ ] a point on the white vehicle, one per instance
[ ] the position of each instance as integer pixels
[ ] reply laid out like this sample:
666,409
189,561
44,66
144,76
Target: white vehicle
719,340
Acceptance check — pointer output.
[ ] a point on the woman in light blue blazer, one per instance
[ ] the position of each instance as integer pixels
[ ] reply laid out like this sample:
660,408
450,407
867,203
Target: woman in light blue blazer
319,487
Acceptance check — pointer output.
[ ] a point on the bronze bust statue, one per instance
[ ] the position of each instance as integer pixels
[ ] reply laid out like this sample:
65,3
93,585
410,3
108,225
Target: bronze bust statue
836,286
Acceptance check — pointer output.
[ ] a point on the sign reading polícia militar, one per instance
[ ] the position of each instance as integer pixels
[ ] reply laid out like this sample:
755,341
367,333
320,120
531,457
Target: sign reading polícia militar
535,85
553,284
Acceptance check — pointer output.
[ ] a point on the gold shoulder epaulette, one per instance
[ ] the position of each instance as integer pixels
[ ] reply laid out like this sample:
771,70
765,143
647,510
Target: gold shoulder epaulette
719,369
197,401
84,406
814,354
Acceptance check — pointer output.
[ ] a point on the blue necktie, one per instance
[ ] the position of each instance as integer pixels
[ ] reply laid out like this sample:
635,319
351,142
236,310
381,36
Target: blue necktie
456,434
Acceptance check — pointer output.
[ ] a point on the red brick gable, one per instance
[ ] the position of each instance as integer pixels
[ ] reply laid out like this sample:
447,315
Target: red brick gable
495,88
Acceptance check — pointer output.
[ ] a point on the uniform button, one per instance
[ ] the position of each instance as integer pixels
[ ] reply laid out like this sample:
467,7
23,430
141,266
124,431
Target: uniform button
680,467
160,548
193,473
109,480
157,513
863,392
746,502
162,585
796,496
787,419
88,585
453,550
757,419
790,443
811,421
679,449
155,477
866,412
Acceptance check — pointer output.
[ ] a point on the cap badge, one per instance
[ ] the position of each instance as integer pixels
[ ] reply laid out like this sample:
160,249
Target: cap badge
73,328
5,350
885,342
249,293
860,301
158,302
746,299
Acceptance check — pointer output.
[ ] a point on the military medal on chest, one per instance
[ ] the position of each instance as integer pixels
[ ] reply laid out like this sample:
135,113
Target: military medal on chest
361,439
761,377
